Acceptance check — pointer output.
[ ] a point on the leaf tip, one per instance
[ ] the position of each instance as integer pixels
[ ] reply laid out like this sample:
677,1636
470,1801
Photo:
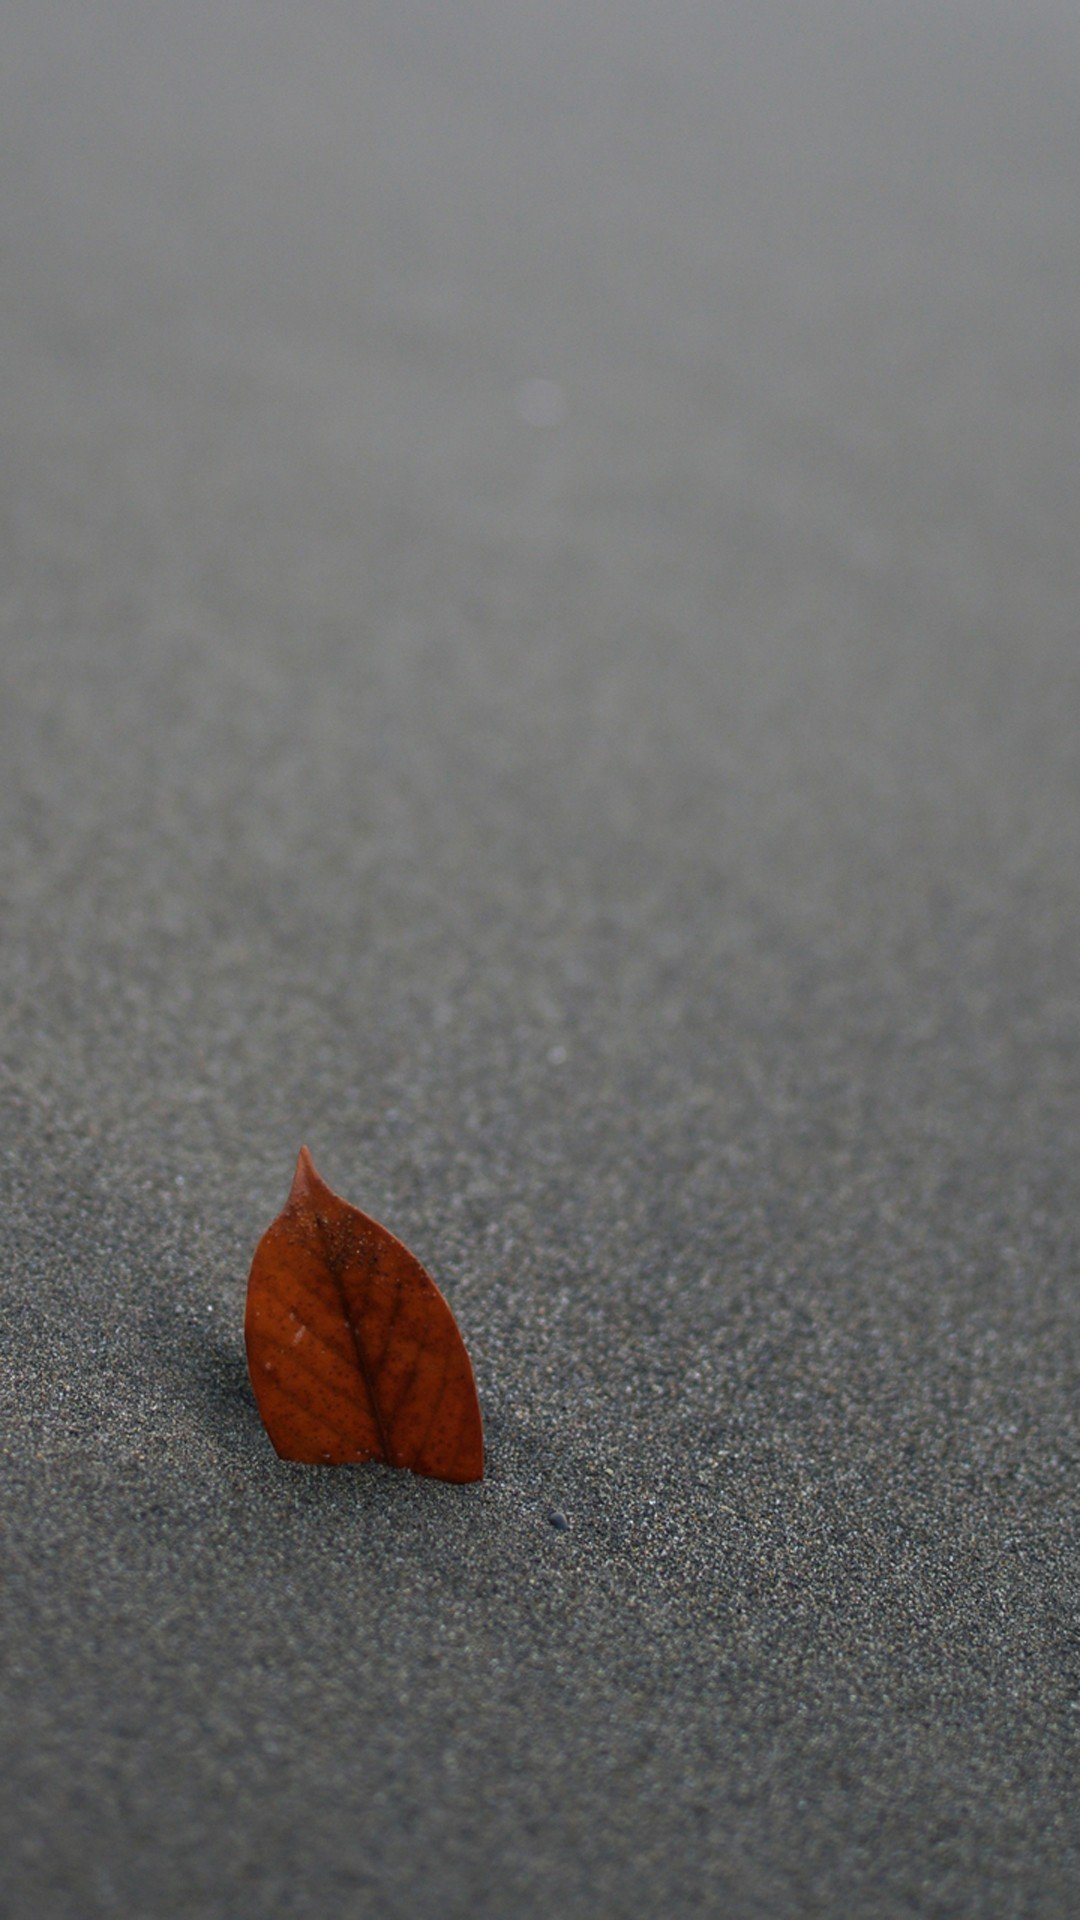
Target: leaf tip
305,1179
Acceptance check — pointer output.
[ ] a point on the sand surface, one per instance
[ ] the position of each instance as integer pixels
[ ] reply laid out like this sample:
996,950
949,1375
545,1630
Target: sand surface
539,580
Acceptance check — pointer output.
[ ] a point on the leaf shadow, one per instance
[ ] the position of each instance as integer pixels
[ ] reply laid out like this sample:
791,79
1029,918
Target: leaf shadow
216,1386
211,1372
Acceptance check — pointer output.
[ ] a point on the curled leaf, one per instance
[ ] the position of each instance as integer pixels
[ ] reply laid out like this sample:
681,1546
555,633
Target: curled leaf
353,1352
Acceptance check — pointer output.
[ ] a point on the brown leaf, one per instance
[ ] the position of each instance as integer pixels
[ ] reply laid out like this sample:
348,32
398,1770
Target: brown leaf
354,1353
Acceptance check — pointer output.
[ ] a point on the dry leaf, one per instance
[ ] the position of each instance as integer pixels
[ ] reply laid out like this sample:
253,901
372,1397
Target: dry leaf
354,1353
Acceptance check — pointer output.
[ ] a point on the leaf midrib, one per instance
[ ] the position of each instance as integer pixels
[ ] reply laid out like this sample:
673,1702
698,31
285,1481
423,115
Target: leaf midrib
334,1266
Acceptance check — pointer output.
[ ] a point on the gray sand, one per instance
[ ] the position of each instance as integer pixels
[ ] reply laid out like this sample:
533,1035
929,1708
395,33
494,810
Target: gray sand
628,826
